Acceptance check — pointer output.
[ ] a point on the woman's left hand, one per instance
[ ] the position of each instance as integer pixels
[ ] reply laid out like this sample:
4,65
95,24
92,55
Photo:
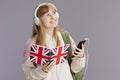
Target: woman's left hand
80,52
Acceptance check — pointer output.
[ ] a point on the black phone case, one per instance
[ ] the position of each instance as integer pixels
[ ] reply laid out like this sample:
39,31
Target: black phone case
80,45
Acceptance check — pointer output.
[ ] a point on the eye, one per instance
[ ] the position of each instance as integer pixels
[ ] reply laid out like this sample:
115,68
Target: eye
48,14
54,12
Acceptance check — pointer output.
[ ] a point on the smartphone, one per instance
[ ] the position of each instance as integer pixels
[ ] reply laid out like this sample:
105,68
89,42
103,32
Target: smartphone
80,44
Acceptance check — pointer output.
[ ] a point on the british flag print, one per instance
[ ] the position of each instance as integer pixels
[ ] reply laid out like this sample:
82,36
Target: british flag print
40,54
59,54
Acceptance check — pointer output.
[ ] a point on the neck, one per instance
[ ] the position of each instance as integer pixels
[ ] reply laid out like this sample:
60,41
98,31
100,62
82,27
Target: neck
49,31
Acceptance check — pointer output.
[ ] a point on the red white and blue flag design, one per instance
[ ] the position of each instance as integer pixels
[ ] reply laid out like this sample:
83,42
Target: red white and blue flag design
40,54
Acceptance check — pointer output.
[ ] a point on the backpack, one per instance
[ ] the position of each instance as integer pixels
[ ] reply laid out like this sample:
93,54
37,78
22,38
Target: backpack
80,74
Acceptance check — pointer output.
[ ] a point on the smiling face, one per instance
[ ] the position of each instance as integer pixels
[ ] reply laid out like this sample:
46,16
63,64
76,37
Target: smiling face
50,19
48,16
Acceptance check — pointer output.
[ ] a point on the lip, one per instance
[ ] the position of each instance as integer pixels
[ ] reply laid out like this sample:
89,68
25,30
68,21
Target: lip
53,22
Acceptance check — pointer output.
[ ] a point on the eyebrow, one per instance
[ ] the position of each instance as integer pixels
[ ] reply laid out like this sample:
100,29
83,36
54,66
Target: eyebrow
51,12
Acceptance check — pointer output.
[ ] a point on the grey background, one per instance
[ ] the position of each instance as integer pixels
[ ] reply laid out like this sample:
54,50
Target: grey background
99,20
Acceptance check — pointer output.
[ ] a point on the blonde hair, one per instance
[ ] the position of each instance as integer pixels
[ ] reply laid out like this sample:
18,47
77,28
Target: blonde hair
39,31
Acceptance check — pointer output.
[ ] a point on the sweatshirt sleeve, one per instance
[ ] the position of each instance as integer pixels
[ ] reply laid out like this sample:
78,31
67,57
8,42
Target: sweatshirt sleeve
77,63
31,72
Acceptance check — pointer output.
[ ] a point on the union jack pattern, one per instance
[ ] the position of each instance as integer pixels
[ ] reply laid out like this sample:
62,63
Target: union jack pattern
40,54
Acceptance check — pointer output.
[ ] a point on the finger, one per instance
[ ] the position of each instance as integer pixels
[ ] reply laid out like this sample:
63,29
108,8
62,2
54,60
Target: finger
45,68
80,55
51,66
52,63
46,64
83,47
79,50
75,54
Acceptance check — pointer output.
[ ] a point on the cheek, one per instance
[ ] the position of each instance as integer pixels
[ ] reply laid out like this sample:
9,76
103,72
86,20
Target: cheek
57,19
45,20
57,15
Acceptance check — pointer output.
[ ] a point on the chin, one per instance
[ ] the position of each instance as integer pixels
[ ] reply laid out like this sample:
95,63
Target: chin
54,25
51,26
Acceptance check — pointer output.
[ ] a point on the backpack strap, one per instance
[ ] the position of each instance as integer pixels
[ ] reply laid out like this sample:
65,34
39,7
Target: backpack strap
66,38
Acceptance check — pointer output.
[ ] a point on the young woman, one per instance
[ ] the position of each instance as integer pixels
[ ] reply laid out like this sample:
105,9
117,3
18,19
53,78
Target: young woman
47,33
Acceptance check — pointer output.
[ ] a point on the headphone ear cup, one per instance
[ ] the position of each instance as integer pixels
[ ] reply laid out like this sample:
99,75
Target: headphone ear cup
36,20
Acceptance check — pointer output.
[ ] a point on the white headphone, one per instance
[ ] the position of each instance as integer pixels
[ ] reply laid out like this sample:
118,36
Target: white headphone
36,19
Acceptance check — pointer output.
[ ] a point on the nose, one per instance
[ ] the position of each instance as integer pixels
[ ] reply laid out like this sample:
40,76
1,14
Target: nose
52,16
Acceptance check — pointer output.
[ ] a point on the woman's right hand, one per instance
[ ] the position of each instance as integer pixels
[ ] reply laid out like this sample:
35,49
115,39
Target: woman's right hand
48,66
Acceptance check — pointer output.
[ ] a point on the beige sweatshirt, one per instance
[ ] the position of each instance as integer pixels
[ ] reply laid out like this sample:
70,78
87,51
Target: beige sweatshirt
58,72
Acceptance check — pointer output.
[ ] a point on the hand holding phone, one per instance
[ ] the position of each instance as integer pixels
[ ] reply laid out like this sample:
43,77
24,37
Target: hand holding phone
80,45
